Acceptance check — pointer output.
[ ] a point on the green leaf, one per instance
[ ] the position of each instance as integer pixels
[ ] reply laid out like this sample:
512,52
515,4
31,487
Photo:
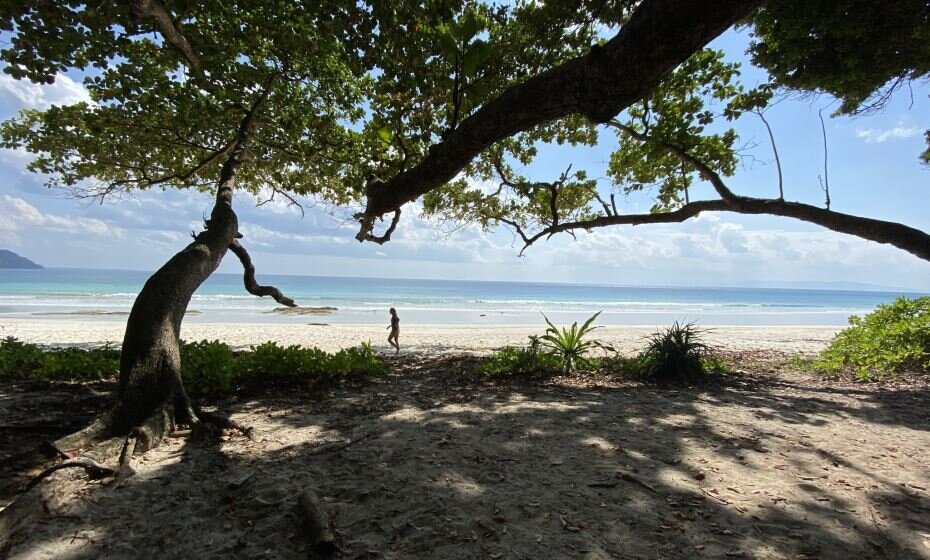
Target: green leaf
469,25
384,134
477,53
447,44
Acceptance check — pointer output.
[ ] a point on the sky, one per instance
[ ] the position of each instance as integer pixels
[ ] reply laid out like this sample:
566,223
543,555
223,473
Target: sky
873,171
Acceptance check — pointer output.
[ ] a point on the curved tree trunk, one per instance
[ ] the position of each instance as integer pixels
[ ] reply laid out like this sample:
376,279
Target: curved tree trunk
150,364
151,392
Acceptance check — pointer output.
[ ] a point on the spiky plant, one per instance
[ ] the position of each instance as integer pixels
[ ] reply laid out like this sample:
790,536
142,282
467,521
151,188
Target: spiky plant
676,353
569,344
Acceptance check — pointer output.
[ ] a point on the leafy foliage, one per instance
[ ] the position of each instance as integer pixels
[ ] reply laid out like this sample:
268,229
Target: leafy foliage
619,365
269,364
857,50
24,360
521,362
891,339
675,354
849,48
569,344
209,368
206,367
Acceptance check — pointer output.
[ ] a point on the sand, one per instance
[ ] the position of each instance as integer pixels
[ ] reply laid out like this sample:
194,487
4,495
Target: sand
429,339
771,463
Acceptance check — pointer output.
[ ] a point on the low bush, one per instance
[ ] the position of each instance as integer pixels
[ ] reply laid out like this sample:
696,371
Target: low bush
521,362
270,364
23,360
206,367
620,365
893,338
675,354
20,359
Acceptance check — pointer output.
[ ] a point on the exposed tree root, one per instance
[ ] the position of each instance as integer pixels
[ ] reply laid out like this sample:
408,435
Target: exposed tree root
226,423
70,445
94,449
94,469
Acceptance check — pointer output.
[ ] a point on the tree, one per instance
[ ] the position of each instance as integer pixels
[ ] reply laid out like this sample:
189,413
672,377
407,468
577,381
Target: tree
377,103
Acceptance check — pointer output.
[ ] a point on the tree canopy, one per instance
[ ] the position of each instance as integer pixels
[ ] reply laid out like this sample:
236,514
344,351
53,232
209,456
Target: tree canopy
373,105
376,104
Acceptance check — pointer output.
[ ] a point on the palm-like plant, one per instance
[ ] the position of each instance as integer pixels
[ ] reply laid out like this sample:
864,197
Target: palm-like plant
675,353
569,344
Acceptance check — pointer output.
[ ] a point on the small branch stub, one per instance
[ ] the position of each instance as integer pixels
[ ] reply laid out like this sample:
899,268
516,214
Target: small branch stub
316,524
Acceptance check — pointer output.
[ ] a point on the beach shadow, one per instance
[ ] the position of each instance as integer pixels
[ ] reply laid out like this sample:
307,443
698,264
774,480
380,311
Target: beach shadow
419,466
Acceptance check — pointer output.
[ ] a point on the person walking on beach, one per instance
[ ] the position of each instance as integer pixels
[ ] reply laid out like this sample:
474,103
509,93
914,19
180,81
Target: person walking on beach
395,330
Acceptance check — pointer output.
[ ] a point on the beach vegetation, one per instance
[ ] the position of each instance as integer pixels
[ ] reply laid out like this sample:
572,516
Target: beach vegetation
892,339
206,367
529,361
29,361
618,365
677,353
270,364
571,345
210,368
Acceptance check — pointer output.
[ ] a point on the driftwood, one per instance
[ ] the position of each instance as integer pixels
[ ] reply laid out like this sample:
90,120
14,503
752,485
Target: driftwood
316,525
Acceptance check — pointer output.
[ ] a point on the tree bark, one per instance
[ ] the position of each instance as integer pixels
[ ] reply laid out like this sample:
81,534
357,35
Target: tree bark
150,364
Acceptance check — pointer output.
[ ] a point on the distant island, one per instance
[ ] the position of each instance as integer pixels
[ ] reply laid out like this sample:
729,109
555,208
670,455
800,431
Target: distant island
9,259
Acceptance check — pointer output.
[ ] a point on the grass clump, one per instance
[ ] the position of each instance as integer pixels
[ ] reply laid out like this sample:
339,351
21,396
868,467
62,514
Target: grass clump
677,353
892,339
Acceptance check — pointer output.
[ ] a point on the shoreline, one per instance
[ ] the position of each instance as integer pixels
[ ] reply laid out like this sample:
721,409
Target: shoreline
414,338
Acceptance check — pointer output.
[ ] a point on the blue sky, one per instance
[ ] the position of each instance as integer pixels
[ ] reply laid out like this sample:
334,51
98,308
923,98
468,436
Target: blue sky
873,170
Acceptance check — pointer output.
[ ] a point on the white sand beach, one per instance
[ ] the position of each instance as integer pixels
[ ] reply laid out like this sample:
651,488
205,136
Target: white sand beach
430,339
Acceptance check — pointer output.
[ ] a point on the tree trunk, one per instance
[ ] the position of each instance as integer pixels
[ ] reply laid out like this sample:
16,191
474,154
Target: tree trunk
151,392
150,364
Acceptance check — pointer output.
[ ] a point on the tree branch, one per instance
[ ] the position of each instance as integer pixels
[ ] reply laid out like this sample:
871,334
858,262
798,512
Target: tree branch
826,177
382,239
227,181
781,189
901,236
660,35
248,278
171,32
709,174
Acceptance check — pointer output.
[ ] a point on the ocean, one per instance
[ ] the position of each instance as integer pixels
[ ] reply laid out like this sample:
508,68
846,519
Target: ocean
108,295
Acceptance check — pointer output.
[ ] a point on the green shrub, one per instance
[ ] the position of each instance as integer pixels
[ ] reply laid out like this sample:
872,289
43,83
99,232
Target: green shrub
675,354
206,367
361,361
270,364
617,364
569,344
24,360
889,340
80,364
521,362
19,359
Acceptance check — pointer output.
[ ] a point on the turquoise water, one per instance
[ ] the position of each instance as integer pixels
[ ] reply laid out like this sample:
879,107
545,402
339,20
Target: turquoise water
70,293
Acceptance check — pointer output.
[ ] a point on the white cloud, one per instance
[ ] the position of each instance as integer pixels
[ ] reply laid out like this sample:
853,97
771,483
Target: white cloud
64,91
16,214
877,135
